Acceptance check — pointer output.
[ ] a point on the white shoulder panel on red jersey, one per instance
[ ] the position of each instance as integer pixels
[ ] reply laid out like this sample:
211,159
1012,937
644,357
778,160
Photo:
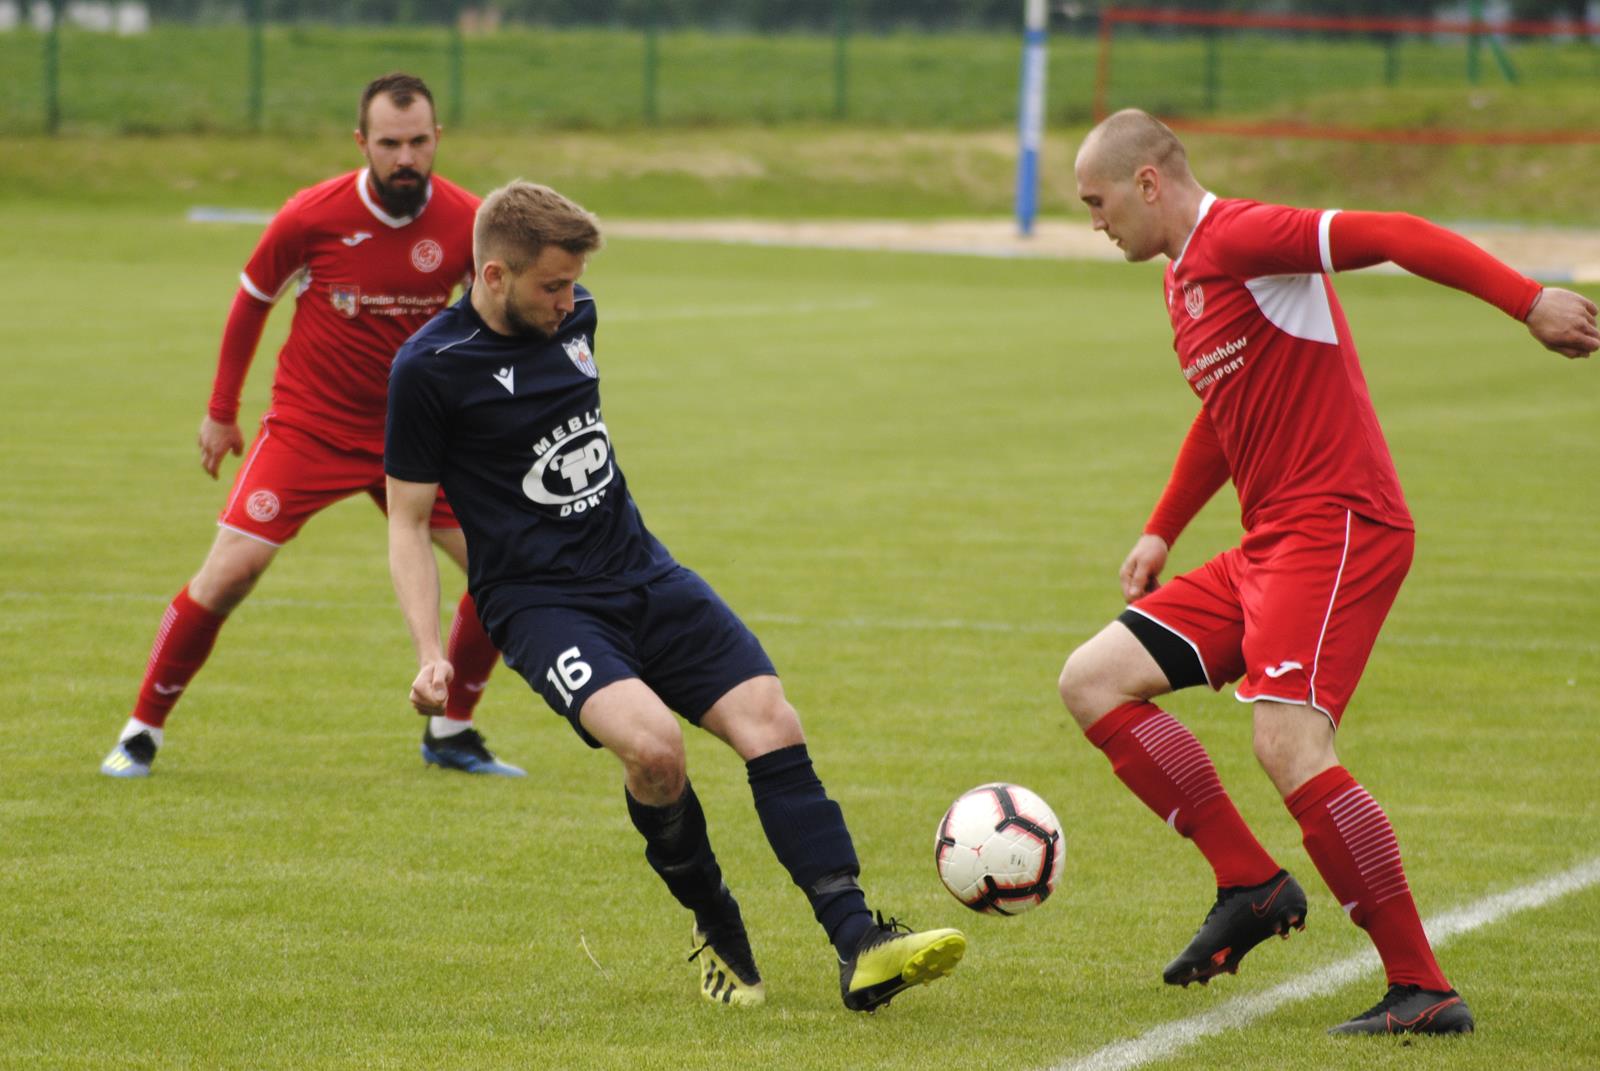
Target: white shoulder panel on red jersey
1296,305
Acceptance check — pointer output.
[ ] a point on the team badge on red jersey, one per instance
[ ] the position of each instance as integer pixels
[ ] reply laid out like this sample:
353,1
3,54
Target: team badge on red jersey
1194,299
582,356
262,506
346,300
426,255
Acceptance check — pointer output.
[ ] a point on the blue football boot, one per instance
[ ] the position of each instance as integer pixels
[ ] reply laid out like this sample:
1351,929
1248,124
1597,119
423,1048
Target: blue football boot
464,751
131,757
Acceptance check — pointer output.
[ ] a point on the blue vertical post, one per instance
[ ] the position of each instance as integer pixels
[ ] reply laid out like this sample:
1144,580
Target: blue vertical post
1030,115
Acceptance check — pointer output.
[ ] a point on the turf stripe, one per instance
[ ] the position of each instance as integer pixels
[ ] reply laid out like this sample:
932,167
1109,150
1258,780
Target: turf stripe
1081,629
1170,1038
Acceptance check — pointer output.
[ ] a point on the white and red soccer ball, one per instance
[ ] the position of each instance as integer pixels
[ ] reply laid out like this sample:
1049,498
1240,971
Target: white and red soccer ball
999,849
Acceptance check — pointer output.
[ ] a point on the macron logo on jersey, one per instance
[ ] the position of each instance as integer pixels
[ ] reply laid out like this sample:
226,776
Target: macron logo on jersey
504,377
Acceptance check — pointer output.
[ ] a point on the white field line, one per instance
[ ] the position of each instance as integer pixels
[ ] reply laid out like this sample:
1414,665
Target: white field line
724,312
1170,1038
1580,646
863,624
1550,254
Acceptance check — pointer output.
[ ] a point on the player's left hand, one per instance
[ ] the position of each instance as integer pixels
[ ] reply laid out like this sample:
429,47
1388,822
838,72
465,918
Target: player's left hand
432,687
217,440
1564,322
1141,570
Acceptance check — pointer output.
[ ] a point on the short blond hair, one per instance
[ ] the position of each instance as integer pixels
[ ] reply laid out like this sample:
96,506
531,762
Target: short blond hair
516,222
1125,141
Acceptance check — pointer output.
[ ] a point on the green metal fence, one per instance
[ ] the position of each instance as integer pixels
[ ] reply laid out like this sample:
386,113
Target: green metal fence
259,76
253,73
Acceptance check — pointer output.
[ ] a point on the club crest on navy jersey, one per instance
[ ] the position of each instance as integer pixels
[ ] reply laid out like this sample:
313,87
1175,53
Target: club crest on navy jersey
582,356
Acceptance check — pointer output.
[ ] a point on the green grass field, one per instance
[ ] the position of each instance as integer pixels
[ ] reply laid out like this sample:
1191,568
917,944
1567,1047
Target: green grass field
915,477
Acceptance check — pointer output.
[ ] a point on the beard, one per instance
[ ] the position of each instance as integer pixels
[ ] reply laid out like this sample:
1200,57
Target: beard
520,324
401,200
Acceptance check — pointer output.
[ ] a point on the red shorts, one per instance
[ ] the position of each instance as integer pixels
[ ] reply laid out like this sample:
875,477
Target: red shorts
289,474
1294,609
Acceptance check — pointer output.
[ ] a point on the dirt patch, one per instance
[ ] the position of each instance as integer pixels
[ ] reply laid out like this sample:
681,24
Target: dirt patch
1552,254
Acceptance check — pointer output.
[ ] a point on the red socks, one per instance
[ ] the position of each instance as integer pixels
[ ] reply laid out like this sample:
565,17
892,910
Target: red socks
473,655
1167,768
1350,840
188,632
1344,830
183,642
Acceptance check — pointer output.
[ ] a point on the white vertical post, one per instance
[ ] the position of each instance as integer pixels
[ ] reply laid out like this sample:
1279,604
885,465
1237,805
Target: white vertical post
1030,114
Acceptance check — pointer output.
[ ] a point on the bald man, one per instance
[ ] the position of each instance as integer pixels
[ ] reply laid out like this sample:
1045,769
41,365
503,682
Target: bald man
1292,612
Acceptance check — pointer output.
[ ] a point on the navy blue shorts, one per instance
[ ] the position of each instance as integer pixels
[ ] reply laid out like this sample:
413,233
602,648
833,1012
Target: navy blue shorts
674,633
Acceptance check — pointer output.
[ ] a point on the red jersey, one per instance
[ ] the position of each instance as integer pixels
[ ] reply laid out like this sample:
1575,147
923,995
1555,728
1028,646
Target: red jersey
364,282
1263,342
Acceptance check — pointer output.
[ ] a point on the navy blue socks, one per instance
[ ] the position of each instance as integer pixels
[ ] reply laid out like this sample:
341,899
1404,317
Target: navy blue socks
678,849
807,832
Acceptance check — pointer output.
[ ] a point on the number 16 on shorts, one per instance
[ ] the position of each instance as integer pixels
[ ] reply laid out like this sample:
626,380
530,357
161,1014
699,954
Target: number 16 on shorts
569,674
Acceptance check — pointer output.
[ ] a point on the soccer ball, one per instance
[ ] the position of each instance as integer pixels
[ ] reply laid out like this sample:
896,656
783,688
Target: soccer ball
999,849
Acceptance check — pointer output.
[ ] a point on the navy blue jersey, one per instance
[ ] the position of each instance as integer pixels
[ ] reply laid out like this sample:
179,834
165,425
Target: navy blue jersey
511,427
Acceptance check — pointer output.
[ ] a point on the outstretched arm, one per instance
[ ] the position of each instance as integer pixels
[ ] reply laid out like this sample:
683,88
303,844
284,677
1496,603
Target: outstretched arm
1561,320
415,573
1199,472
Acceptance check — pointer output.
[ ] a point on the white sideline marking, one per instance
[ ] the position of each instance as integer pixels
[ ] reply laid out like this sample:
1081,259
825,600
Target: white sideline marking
723,312
1081,629
919,624
208,214
1569,250
1170,1038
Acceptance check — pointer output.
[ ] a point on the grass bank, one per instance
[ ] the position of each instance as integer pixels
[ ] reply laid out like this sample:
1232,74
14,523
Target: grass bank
823,171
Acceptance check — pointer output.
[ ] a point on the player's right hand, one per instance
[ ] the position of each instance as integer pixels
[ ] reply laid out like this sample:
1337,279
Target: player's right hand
432,687
1141,569
217,440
